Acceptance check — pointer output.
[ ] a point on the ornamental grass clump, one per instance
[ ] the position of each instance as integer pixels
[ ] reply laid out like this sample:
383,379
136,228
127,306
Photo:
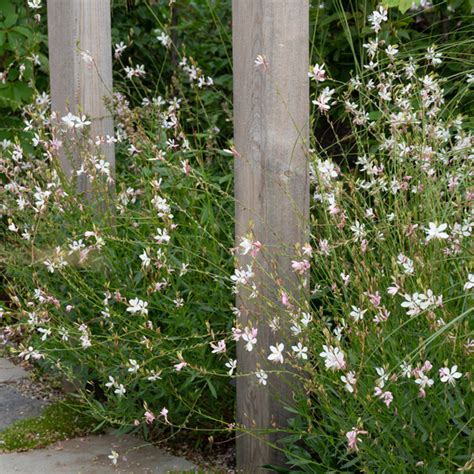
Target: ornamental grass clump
383,349
123,289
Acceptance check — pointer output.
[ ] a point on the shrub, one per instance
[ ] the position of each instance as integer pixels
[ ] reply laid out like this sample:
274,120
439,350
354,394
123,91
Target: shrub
388,385
126,296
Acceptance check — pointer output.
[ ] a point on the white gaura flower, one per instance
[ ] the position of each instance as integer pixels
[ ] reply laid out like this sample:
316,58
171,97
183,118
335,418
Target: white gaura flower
119,48
406,370
277,353
162,236
447,375
120,390
12,227
154,376
358,230
137,306
113,456
470,282
34,4
146,260
392,51
424,381
333,358
231,365
242,276
262,377
133,366
30,353
49,265
325,100
300,351
85,341
164,39
371,47
69,120
378,17
45,333
433,57
435,231
406,263
261,60
246,246
357,314
349,381
250,337
383,377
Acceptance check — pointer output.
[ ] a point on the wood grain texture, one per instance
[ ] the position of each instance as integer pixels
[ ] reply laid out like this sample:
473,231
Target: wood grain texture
78,87
271,128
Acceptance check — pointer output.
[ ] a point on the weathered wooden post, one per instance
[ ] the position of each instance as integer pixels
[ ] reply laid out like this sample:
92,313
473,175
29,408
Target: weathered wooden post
80,61
271,121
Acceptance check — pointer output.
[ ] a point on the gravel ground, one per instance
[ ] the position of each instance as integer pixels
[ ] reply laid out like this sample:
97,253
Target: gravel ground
218,459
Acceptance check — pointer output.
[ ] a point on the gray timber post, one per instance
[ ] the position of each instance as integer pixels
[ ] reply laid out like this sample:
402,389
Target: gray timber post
271,133
79,85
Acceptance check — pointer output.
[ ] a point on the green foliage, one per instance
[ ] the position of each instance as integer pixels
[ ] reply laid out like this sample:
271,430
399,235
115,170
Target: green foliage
394,299
92,261
188,24
22,59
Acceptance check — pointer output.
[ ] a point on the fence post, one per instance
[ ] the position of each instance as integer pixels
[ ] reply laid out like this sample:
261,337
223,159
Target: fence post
271,131
78,85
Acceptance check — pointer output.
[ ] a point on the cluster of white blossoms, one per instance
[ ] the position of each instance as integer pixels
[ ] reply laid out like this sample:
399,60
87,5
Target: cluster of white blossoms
74,121
195,73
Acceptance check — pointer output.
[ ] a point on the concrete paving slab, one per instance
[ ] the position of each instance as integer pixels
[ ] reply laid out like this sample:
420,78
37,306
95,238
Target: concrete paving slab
90,455
10,372
15,406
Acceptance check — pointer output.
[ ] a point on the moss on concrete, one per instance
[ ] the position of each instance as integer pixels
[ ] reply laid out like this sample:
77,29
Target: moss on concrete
58,421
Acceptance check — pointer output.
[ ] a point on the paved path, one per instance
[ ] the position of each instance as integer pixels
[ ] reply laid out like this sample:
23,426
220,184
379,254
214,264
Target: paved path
13,405
89,455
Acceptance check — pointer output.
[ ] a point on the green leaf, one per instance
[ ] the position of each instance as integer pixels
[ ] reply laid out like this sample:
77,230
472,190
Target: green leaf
24,31
212,388
405,5
6,8
391,3
10,20
375,114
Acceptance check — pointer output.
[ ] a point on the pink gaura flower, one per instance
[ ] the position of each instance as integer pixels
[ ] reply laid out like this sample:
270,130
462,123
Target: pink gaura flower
218,348
300,267
353,439
164,413
179,366
386,396
236,334
149,417
249,246
375,298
